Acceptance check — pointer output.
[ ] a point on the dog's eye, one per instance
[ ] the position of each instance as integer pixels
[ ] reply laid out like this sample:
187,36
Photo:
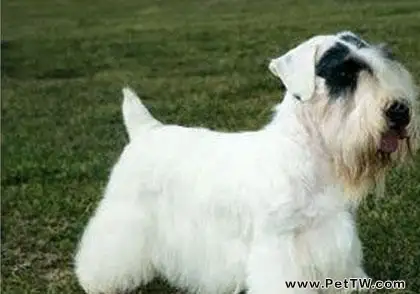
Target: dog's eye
343,74
347,73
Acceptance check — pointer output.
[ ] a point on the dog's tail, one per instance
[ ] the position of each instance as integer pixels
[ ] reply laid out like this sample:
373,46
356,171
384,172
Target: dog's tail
136,116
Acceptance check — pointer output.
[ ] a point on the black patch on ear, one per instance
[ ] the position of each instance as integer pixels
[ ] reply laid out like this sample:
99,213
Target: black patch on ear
340,70
354,40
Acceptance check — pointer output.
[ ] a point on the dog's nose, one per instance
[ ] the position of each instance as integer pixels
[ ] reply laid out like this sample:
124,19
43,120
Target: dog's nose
398,115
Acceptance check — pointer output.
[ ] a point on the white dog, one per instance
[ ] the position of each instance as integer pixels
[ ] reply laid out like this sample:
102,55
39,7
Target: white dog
216,212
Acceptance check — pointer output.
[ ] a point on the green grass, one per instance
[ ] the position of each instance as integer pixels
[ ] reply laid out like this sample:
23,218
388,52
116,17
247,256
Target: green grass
201,63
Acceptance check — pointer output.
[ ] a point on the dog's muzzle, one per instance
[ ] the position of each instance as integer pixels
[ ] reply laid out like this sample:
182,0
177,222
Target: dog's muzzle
398,117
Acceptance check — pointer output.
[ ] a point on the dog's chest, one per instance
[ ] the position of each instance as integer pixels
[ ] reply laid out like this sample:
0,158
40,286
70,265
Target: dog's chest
328,246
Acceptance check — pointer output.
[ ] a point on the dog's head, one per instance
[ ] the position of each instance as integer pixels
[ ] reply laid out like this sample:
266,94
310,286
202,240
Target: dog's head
357,98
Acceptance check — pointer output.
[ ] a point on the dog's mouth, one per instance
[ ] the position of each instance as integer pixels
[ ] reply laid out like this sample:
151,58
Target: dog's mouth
391,139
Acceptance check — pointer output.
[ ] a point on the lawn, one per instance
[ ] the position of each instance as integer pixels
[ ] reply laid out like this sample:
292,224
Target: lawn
197,63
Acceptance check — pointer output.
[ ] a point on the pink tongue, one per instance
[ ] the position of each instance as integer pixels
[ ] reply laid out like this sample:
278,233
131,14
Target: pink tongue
389,143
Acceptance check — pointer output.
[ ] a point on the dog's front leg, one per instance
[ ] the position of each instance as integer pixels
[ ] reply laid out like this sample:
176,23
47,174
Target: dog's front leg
272,264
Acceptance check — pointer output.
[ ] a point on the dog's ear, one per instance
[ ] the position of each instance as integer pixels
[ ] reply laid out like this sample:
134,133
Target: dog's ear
296,68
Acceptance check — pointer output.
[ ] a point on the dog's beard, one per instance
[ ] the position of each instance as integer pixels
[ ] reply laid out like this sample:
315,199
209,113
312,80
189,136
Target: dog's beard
358,156
366,156
357,141
360,165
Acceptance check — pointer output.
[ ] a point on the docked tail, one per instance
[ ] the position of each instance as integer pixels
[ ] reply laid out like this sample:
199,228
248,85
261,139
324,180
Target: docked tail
136,116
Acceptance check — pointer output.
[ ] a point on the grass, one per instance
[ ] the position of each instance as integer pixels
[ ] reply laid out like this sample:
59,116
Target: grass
201,63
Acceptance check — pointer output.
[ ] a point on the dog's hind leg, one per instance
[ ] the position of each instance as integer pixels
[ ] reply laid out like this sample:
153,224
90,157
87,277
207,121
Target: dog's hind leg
114,253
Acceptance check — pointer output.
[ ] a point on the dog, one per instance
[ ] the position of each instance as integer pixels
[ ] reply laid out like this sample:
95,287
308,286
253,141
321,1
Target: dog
218,212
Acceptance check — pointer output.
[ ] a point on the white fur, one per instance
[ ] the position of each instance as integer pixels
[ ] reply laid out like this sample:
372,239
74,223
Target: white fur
292,67
217,212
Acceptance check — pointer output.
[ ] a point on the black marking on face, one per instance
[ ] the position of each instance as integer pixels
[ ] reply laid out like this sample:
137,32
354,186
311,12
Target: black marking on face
354,40
340,70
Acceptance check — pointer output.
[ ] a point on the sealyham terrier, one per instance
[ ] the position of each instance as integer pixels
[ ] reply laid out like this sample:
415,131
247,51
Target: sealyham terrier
214,212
